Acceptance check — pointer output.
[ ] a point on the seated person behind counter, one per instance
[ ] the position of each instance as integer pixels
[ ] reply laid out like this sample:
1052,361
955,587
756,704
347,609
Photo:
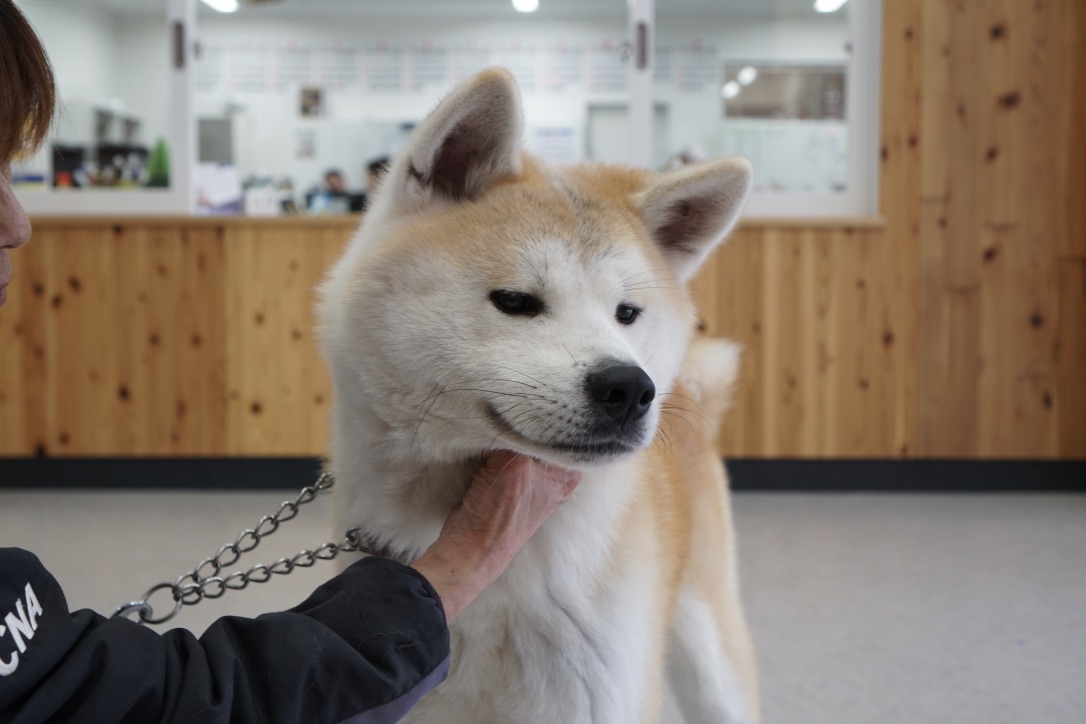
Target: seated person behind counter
334,197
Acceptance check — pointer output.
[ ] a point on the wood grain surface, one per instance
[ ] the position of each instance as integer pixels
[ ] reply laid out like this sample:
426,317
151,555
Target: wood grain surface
953,326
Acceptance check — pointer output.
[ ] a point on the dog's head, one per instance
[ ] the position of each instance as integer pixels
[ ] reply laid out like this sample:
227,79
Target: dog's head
492,302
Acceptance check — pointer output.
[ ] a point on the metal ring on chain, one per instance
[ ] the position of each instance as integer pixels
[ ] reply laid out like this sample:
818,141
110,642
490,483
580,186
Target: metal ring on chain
138,607
147,613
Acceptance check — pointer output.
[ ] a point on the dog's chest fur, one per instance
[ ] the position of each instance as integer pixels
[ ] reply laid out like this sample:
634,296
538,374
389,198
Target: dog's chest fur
534,647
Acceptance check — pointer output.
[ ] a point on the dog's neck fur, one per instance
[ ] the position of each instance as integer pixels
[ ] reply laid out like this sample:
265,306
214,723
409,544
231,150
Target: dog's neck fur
407,495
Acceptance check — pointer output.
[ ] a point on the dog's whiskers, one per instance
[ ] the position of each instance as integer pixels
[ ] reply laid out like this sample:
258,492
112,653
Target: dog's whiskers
575,363
533,379
679,415
668,281
661,434
675,406
654,352
499,393
426,412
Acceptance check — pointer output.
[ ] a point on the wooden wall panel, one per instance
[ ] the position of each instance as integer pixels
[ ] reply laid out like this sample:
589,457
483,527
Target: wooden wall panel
24,383
119,345
278,387
995,222
957,329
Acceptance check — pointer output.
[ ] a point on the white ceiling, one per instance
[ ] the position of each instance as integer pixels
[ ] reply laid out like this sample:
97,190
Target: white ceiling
478,8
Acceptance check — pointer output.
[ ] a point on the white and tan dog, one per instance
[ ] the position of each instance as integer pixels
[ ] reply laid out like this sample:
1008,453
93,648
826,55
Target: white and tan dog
491,302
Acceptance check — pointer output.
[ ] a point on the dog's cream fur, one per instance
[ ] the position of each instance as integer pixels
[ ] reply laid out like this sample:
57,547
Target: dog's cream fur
629,593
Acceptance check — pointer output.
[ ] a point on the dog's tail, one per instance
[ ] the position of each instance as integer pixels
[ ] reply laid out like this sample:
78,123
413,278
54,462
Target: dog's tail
708,378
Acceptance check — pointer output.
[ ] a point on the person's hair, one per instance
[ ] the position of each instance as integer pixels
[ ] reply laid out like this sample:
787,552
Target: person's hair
333,172
27,88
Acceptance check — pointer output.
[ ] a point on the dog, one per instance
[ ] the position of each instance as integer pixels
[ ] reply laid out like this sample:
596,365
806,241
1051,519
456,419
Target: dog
489,301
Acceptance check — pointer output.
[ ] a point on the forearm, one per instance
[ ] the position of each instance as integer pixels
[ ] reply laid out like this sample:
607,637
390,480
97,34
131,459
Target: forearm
372,639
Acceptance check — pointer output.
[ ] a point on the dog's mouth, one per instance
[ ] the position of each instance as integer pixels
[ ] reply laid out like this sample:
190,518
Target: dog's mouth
586,447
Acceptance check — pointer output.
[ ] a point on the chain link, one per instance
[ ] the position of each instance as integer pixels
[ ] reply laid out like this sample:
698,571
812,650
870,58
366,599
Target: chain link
205,581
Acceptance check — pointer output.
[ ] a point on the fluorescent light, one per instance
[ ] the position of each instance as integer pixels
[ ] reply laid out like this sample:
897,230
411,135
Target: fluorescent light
746,74
526,6
827,6
730,90
223,6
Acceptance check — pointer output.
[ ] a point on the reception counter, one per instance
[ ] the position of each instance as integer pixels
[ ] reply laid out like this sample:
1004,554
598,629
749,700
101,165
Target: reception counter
166,337
177,337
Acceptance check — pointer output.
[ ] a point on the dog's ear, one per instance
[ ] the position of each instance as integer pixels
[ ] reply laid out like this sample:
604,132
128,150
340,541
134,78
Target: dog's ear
690,211
471,140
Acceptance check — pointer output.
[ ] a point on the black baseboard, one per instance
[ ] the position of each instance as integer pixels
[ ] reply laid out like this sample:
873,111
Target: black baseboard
160,473
888,476
909,476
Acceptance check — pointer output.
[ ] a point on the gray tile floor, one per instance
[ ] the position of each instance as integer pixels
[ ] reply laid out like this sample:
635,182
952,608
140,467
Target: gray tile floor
867,609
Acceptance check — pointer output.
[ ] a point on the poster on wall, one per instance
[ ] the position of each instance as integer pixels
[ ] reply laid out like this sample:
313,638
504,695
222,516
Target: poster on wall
311,102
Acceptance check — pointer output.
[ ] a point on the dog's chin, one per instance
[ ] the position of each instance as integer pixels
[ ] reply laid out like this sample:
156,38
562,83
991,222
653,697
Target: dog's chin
593,451
595,454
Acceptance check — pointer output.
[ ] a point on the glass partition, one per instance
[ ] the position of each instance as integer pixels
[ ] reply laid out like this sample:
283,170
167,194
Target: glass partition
782,83
296,101
115,145
291,106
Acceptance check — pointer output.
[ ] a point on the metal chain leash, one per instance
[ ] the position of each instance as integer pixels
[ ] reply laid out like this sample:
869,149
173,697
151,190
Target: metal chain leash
204,580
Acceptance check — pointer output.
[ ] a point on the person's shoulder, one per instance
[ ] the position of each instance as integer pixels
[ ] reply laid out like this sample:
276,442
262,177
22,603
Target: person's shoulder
19,557
18,567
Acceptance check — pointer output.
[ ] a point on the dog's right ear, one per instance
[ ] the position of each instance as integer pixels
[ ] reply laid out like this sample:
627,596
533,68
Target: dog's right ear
471,140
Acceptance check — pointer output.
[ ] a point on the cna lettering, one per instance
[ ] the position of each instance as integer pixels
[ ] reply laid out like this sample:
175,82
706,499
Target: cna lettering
21,625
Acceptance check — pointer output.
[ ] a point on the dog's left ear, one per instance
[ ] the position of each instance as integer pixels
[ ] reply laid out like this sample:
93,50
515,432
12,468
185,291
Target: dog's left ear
471,140
690,211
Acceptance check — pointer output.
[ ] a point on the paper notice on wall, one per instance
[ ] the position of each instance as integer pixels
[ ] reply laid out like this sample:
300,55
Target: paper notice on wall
384,69
210,69
466,61
218,188
248,69
523,62
294,66
305,143
338,66
607,72
563,67
790,156
429,68
697,67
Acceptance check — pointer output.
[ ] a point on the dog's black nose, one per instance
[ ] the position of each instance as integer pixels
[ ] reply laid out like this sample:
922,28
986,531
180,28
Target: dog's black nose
625,392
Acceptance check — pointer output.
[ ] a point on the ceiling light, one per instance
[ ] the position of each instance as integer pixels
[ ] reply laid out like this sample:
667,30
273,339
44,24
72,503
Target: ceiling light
223,6
730,90
526,6
746,74
829,6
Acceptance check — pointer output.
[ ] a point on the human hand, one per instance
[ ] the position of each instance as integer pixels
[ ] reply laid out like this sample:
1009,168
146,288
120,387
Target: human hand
506,503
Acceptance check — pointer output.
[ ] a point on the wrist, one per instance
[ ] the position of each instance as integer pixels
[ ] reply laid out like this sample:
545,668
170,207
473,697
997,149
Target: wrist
457,576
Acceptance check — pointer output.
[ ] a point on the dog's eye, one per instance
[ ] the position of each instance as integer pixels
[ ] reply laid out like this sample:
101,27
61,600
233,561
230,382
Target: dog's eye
518,303
626,313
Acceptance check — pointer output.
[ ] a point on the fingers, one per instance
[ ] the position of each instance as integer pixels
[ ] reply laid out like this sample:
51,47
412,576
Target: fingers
560,481
521,475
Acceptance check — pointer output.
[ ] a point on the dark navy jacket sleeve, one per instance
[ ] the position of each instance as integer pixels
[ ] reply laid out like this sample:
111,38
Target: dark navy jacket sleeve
363,648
